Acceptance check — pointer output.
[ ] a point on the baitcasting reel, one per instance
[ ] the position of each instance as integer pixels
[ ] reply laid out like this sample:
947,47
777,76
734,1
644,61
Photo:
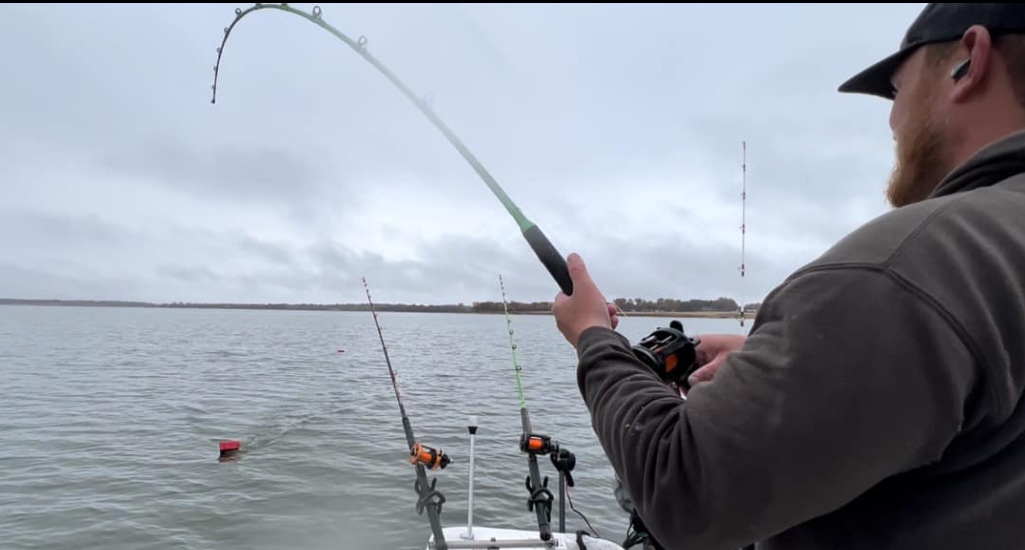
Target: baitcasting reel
669,353
430,457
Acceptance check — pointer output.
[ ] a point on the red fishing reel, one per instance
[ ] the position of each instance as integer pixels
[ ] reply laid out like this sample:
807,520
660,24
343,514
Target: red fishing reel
670,353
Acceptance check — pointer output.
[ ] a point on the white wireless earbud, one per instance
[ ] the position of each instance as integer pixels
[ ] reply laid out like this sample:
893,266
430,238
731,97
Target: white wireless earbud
960,70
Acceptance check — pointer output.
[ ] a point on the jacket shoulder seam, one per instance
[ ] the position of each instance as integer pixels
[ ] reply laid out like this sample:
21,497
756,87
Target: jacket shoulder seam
919,228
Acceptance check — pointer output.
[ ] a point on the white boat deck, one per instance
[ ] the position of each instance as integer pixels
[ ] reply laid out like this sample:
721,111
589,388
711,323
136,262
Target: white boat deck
486,537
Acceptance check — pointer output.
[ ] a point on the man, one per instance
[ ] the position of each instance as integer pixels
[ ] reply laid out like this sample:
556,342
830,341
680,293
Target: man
877,401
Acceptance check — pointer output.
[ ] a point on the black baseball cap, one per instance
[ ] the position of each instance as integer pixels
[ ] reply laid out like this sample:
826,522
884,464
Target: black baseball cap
937,23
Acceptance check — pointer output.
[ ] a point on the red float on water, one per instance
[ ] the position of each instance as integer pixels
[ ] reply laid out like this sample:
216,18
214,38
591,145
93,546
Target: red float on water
230,449
341,351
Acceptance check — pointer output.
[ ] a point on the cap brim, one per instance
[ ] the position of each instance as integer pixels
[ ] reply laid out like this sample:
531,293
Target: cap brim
876,80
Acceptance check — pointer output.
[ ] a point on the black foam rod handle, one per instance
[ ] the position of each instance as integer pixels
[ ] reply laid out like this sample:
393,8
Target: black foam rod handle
550,257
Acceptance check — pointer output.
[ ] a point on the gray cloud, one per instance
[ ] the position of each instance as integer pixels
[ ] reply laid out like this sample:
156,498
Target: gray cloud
188,275
45,230
229,173
23,282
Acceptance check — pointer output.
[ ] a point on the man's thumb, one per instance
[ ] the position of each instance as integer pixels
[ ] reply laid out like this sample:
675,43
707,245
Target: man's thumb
707,372
577,269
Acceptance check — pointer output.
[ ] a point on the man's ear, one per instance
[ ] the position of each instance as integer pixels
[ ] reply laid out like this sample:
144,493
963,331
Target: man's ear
970,73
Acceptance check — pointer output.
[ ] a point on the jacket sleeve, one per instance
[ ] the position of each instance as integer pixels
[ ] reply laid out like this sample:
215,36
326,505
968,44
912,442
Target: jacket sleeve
848,377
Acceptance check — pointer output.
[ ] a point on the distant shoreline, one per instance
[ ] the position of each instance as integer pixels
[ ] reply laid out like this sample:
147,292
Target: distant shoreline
515,308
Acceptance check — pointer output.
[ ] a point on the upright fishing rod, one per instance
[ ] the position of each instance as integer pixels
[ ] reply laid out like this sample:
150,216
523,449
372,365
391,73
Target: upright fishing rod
543,248
420,456
540,500
743,225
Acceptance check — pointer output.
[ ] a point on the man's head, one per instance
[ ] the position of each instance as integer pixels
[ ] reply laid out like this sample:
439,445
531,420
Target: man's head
957,83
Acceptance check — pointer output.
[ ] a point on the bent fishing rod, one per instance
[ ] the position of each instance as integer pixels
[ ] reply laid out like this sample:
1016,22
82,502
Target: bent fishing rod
655,351
542,247
533,444
421,456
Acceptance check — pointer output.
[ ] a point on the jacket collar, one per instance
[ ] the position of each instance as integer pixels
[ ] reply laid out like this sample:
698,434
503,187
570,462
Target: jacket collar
990,165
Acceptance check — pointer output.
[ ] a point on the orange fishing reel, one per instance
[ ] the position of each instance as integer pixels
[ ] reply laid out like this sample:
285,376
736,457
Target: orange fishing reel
429,457
538,444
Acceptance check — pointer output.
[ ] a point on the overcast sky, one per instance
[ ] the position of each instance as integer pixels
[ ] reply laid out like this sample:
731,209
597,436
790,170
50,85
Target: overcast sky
617,129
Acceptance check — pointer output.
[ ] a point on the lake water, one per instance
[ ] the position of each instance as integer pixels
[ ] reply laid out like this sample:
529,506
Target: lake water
110,421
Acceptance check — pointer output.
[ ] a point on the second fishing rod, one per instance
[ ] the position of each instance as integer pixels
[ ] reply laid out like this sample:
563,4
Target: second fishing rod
534,445
421,456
